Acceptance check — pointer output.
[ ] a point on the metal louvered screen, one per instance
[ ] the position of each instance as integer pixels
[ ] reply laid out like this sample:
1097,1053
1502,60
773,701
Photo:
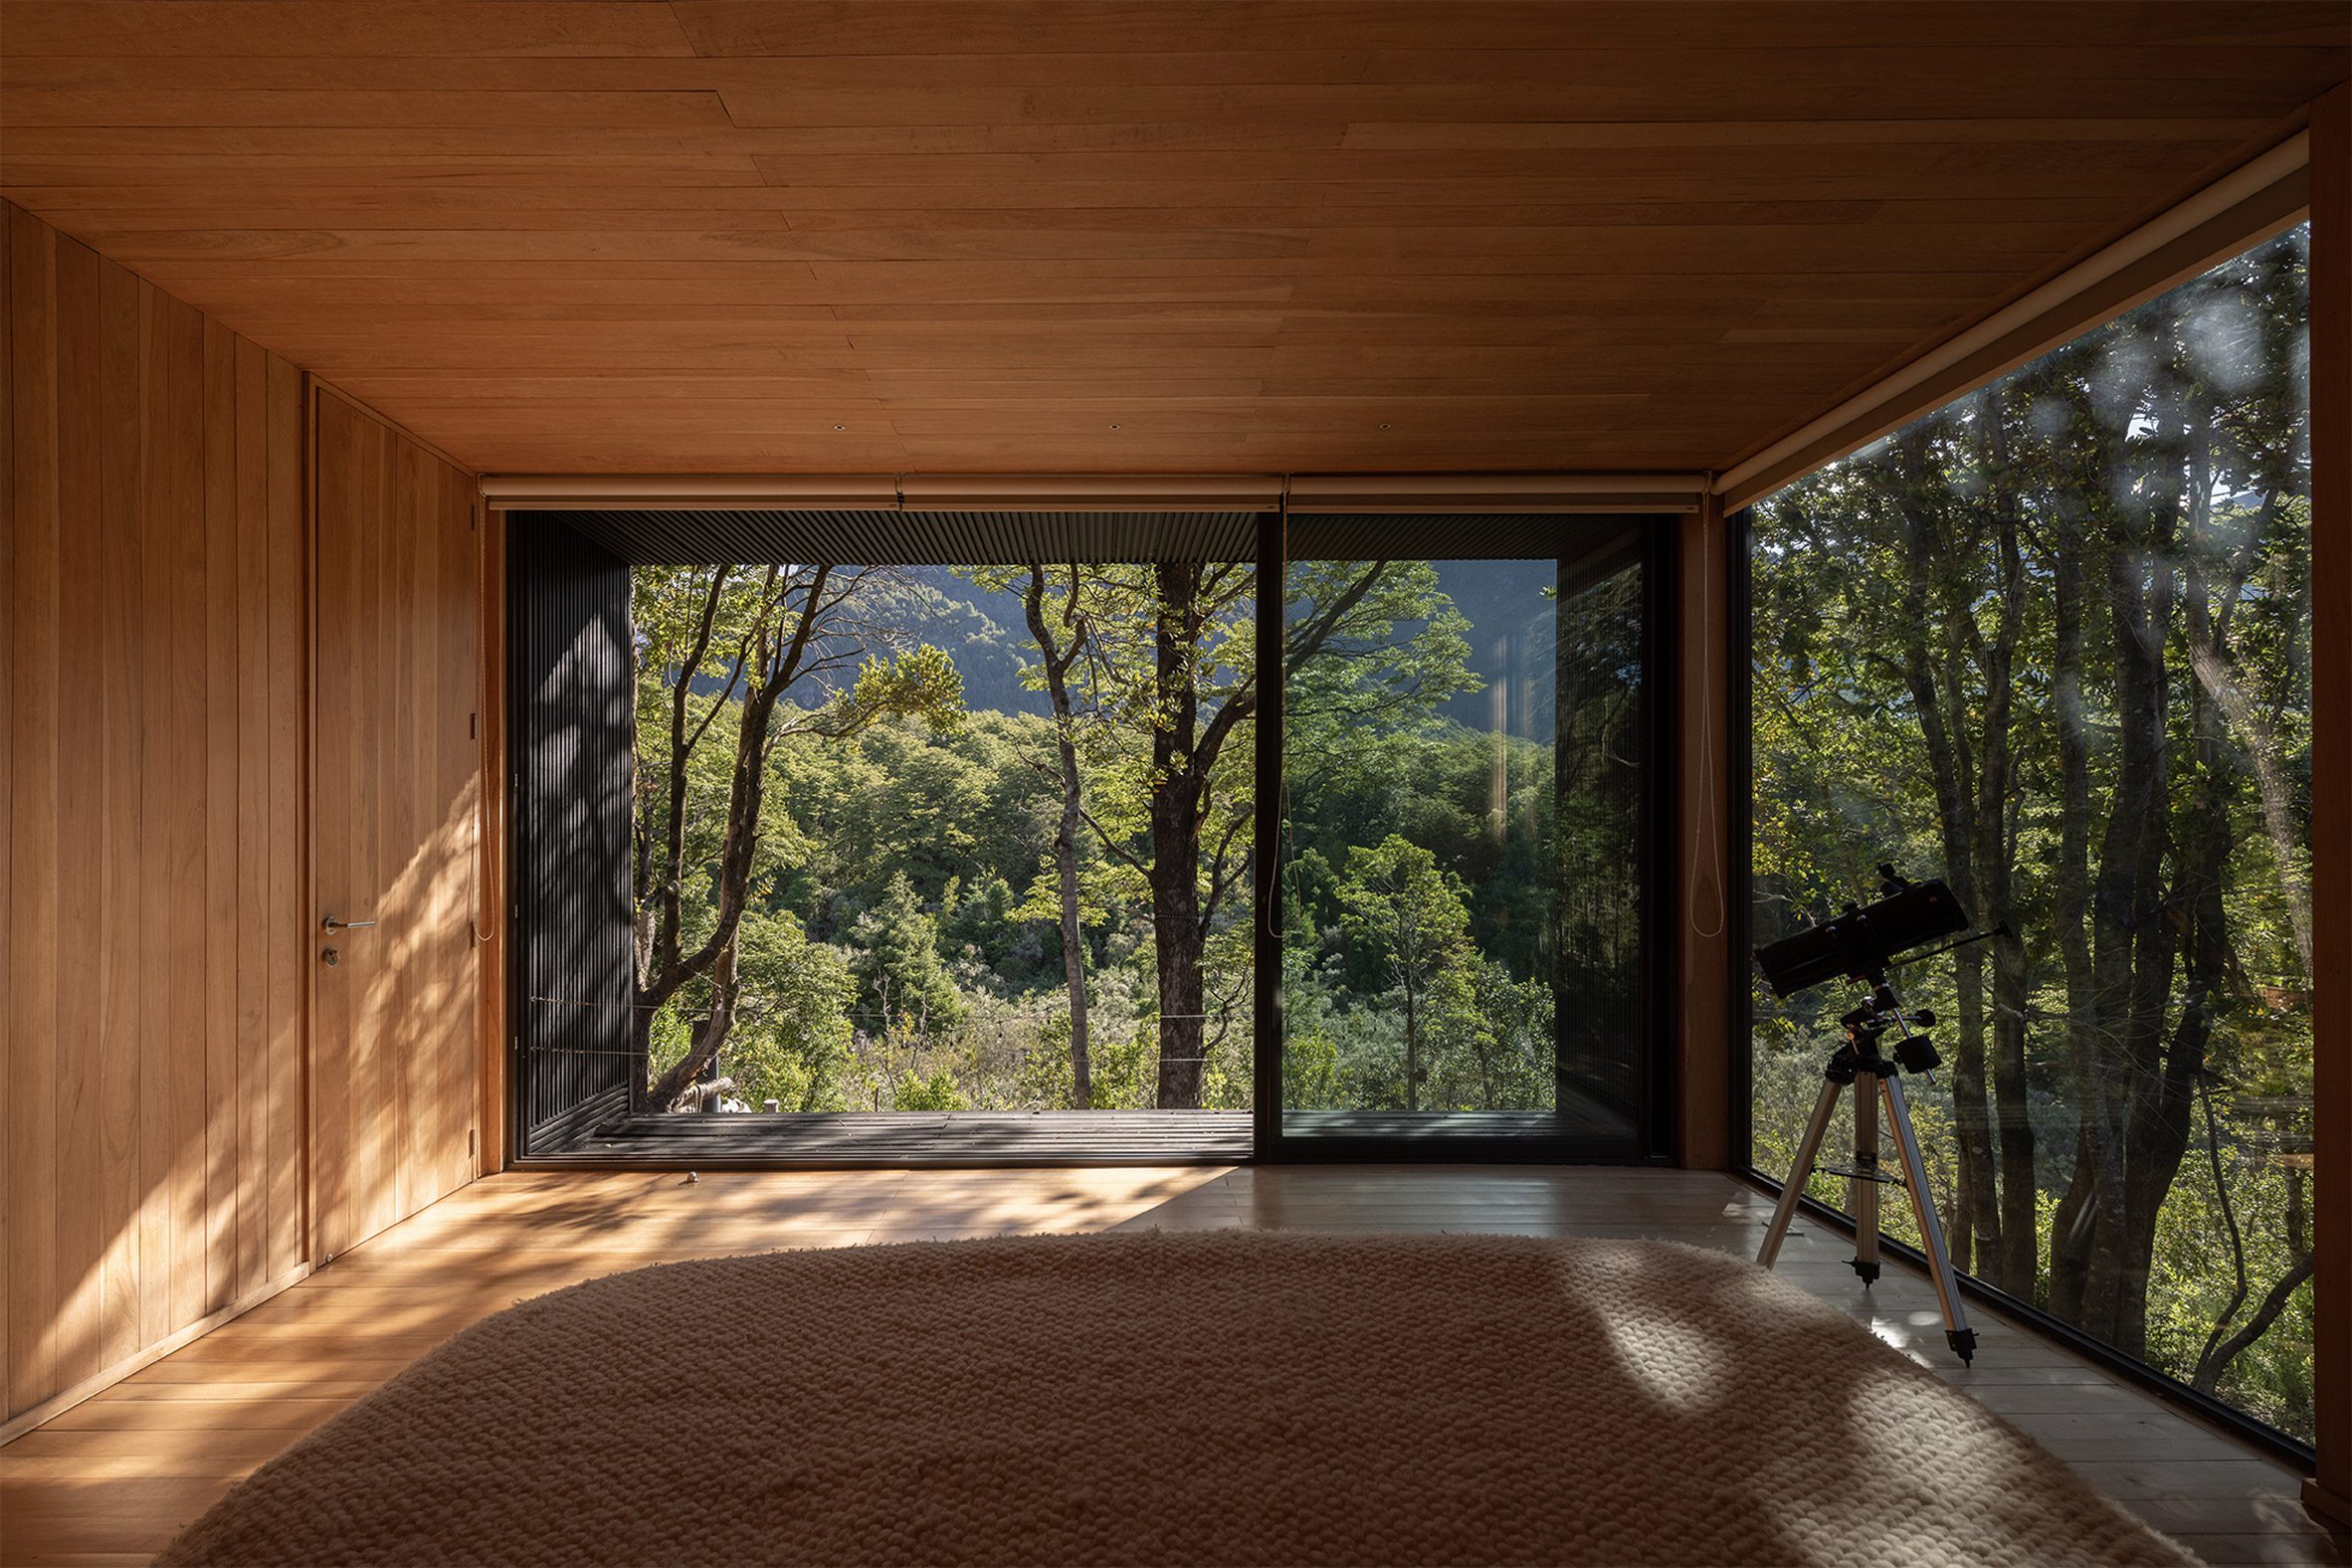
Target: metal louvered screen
1490,536
574,733
908,538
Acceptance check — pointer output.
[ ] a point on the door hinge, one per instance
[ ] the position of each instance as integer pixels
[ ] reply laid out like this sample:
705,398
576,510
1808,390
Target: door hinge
473,726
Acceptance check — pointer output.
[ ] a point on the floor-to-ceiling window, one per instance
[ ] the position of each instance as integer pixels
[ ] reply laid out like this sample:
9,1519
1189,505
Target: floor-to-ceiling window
1466,774
899,839
2052,643
818,855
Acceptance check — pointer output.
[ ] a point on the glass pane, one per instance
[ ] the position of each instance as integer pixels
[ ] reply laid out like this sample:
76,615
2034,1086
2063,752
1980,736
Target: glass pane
1601,757
1461,858
996,859
2052,643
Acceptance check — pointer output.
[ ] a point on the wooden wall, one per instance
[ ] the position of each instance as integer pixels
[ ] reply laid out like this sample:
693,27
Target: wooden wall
394,1047
153,584
186,1131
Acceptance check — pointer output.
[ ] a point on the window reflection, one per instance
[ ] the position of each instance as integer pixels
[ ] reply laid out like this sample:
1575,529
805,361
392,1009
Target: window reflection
1461,858
2052,643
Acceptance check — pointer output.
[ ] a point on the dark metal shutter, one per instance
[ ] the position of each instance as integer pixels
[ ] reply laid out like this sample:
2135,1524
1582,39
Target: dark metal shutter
574,699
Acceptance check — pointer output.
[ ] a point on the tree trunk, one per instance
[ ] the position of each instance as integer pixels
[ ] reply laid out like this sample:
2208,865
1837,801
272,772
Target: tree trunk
2132,942
2221,1350
1995,861
1175,901
776,656
1412,1047
746,791
1073,945
2216,671
1974,1219
1065,857
709,1034
2195,919
2097,1140
1178,785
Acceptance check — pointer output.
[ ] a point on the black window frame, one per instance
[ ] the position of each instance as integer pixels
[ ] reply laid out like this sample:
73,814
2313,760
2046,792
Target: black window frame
1661,1027
1656,1120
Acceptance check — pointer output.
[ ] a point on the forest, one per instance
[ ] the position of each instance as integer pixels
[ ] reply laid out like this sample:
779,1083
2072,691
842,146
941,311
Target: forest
2052,643
982,837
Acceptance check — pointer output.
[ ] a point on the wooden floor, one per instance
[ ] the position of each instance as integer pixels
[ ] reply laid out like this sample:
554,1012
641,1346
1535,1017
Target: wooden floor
111,1479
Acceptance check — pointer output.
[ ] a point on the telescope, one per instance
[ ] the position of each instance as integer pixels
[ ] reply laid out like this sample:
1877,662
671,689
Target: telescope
1859,943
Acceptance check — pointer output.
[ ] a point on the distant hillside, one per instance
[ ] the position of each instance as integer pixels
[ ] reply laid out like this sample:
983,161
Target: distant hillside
987,636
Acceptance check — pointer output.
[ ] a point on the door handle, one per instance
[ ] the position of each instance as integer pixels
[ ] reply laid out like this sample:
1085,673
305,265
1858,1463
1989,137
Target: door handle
330,923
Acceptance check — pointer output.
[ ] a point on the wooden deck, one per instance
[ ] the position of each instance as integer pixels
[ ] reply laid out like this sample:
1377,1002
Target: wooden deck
111,1480
1043,1139
906,1140
1576,1121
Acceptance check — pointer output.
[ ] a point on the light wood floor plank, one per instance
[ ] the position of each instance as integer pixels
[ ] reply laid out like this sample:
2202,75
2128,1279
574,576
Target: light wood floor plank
113,1479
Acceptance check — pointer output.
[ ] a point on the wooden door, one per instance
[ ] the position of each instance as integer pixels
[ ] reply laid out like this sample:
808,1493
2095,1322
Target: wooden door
396,787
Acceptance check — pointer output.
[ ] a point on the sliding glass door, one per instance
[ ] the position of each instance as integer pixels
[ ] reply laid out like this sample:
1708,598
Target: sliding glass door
1462,881
958,848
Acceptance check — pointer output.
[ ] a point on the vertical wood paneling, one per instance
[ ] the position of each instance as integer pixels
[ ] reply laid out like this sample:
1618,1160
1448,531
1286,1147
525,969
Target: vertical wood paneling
336,486
221,615
370,672
411,639
456,755
288,1225
151,911
181,929
82,1235
394,1049
33,949
7,722
389,677
116,681
251,377
490,901
155,921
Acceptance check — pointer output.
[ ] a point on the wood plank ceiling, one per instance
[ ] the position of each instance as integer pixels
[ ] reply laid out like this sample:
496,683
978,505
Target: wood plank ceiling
1301,235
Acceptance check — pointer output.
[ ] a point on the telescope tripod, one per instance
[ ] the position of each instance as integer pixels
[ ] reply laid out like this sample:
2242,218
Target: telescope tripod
1876,1080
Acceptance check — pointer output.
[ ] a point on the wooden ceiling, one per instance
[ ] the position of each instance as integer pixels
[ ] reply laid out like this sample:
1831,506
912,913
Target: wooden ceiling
1264,236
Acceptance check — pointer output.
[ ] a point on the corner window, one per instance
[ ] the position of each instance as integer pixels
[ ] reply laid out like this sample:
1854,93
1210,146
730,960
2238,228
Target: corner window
2052,643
